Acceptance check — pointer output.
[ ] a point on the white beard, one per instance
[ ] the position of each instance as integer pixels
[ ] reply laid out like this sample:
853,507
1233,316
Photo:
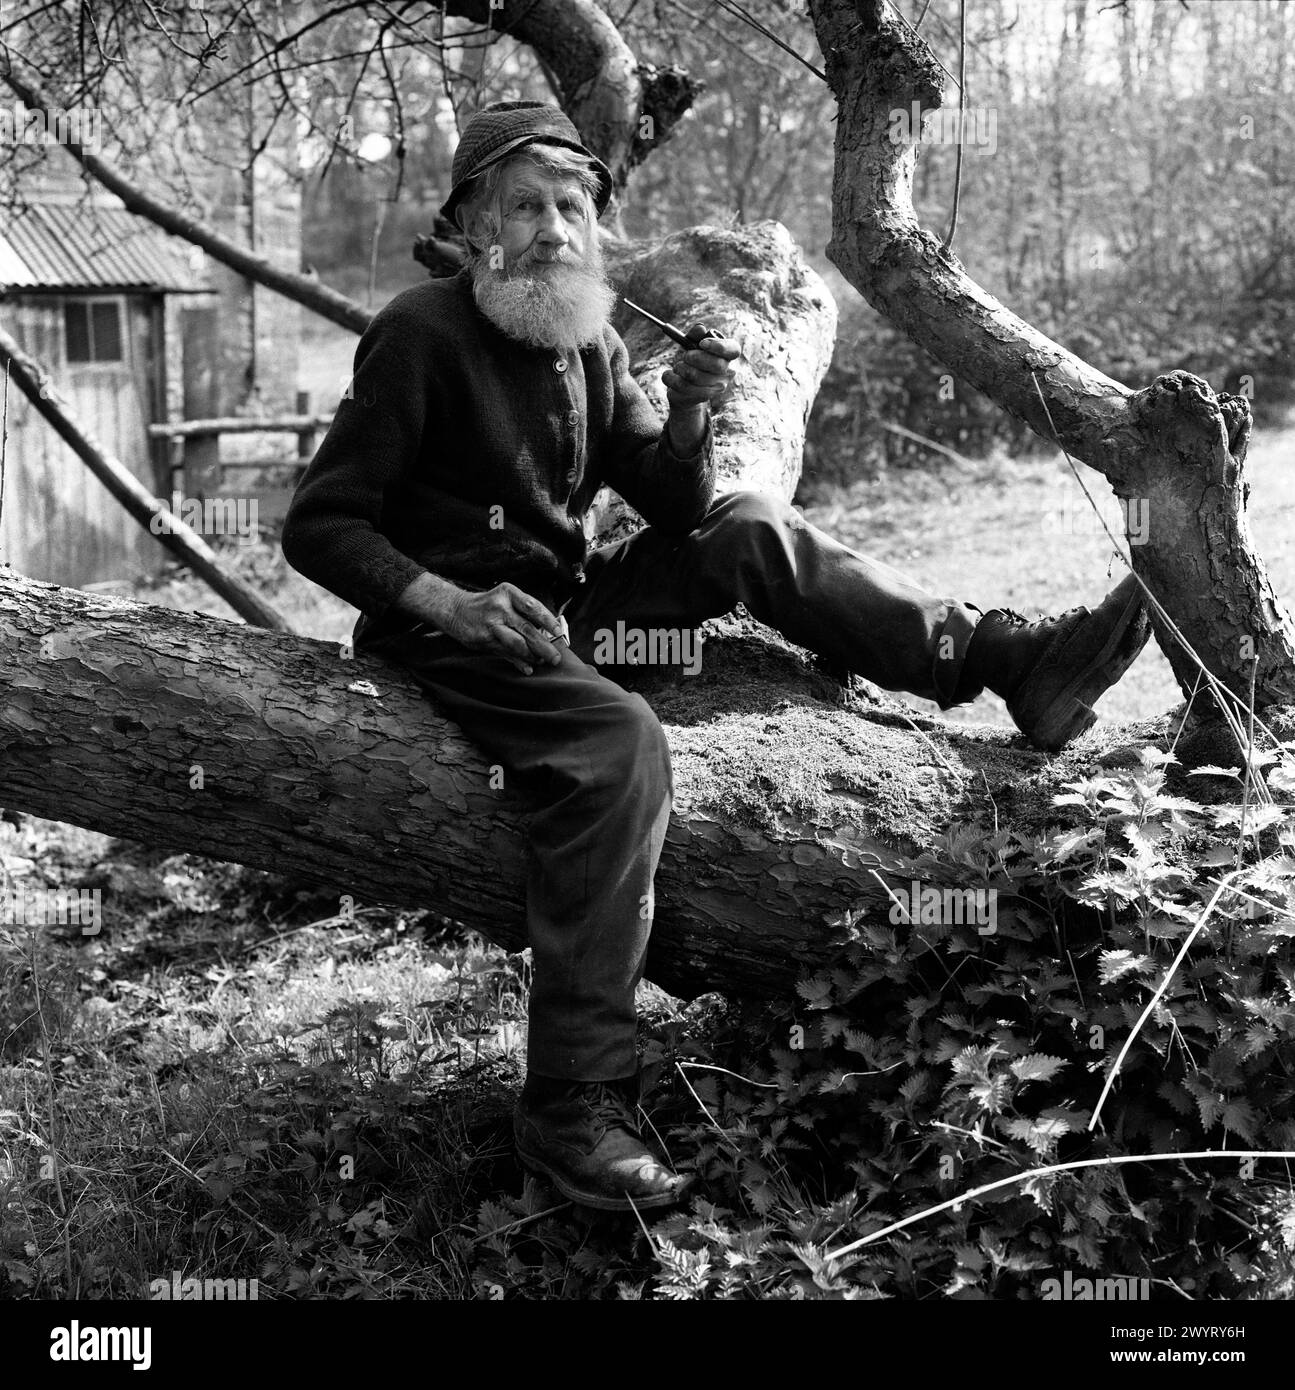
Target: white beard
562,304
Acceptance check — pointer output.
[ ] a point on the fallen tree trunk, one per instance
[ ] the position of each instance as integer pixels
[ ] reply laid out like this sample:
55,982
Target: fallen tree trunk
199,735
194,734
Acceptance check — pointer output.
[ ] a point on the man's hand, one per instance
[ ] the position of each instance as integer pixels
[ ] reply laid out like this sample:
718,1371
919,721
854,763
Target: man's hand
503,621
506,622
701,374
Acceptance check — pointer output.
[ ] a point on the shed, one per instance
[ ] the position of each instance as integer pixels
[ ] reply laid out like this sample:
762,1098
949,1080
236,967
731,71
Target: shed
88,290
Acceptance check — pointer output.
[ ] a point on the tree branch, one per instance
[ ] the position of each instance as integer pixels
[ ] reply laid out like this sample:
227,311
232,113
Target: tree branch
301,289
1173,451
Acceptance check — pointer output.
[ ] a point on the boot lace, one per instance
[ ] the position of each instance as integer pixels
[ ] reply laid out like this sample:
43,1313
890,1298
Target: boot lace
1016,619
611,1106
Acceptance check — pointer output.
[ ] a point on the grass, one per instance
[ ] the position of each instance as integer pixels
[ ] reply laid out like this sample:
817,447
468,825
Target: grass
232,1081
1020,534
241,1087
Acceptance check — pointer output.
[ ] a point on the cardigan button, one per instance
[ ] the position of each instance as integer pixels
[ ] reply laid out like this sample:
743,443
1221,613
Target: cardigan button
560,364
573,417
572,476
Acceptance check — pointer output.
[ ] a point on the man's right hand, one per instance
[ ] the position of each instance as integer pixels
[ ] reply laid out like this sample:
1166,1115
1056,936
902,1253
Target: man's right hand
505,622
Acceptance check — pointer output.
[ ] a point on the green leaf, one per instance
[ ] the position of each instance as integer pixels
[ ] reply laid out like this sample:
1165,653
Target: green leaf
1239,1117
1114,965
815,991
1037,1067
1282,777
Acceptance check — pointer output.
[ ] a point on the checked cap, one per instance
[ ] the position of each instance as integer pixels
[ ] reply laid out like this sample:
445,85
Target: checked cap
504,127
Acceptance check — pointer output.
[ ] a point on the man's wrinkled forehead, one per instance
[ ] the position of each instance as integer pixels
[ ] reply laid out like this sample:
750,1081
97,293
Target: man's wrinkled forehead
522,177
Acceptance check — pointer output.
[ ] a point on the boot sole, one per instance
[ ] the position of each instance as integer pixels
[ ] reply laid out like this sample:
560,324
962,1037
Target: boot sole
597,1200
1069,713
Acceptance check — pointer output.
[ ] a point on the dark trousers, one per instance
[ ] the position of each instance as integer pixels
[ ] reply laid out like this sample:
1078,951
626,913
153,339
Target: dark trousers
596,757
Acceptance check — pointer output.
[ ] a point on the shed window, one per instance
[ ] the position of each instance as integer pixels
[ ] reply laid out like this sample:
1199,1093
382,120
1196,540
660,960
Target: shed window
93,330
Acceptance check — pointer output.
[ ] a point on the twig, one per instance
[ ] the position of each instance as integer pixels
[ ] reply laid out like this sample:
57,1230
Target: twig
54,1135
970,1133
1223,884
242,1211
706,1066
962,106
930,743
738,12
523,1221
1231,1154
1252,773
929,443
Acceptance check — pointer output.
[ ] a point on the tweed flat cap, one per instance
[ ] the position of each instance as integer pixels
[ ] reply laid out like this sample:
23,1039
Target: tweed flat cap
504,127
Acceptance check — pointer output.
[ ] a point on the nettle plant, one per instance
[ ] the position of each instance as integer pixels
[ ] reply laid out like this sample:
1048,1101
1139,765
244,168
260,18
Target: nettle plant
935,1060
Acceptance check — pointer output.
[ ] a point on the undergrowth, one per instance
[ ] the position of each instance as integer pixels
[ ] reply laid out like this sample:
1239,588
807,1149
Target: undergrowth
324,1105
937,1058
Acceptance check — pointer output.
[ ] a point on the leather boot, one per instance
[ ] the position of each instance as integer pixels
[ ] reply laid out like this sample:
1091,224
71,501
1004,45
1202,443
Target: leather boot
582,1136
1051,671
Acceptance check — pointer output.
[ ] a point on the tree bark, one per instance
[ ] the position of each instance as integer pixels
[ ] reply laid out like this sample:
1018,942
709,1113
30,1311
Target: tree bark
194,734
1174,452
601,86
750,283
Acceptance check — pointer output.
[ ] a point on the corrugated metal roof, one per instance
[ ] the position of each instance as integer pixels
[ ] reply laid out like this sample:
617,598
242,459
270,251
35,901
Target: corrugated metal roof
50,246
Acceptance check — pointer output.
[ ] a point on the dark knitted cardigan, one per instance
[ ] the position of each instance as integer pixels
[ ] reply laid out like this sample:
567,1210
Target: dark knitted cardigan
460,451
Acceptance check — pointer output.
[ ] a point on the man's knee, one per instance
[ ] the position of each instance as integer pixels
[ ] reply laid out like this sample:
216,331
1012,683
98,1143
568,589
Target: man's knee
748,528
631,757
647,752
746,509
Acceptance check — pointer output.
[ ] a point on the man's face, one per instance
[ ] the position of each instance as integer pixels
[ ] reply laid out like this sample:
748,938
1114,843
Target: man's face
539,278
545,218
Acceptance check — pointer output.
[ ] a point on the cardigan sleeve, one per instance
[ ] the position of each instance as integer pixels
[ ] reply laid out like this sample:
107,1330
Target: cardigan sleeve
668,492
331,532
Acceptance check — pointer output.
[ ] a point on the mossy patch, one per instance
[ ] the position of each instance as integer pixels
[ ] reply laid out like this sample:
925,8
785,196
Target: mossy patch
765,735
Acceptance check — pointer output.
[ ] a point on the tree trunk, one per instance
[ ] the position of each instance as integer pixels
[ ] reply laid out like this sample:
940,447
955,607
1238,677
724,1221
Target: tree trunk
194,734
622,109
1173,451
752,284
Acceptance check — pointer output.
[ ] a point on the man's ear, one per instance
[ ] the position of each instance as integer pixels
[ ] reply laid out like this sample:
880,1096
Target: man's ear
471,222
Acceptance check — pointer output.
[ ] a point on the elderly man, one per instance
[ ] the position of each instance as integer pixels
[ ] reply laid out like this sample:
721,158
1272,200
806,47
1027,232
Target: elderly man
448,503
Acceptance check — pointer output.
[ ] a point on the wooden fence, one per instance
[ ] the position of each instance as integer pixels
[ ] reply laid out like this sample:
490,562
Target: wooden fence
199,471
